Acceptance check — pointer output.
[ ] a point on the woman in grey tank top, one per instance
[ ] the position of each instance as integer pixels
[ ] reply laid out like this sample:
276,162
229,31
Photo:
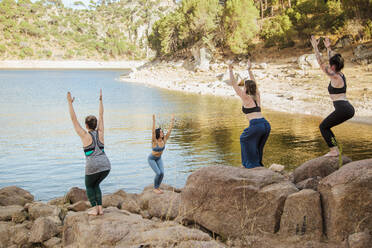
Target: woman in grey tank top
97,164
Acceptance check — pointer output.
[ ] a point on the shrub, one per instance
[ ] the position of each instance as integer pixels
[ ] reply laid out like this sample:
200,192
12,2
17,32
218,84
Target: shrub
278,31
2,49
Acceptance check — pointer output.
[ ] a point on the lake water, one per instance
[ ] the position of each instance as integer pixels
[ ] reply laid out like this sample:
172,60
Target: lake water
41,152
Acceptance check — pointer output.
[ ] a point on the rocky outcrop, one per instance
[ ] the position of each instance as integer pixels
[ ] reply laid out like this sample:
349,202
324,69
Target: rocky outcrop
347,200
14,196
114,200
79,206
43,229
302,215
7,212
362,55
119,228
39,209
131,204
165,206
344,41
76,194
318,167
234,202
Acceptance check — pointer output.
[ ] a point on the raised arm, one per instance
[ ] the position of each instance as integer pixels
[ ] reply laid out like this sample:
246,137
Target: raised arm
325,68
233,82
170,129
327,44
251,76
100,128
153,129
79,130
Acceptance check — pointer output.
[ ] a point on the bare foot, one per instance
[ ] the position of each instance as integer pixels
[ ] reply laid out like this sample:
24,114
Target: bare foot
332,154
100,210
158,191
93,212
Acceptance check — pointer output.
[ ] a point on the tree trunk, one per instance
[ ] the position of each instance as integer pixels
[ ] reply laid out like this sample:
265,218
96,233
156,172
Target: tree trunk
261,5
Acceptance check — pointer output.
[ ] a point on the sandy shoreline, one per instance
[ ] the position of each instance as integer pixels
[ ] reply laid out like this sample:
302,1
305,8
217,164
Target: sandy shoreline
68,64
284,87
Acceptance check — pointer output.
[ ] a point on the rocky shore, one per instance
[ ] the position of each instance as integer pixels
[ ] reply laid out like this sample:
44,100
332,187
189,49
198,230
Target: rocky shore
320,204
292,85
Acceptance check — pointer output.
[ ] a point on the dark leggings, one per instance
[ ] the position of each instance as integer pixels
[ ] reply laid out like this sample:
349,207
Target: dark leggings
343,112
252,142
92,184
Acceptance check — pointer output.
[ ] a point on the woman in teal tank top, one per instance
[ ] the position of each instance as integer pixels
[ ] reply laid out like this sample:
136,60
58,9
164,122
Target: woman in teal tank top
97,164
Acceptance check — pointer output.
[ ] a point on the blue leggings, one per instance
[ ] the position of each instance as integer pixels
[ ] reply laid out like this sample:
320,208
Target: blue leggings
252,142
157,165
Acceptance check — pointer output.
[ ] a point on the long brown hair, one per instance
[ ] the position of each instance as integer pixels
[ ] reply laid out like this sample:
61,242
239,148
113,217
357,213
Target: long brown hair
250,88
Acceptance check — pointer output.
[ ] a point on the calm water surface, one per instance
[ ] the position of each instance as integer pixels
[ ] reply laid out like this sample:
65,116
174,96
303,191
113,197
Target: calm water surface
41,152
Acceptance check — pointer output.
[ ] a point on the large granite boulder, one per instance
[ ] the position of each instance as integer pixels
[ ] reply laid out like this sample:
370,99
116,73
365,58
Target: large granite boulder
43,229
114,200
14,195
119,228
234,202
40,209
302,215
347,200
131,203
14,235
318,167
76,194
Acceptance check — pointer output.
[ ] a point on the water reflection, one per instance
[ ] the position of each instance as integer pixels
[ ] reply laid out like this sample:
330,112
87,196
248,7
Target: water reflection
40,151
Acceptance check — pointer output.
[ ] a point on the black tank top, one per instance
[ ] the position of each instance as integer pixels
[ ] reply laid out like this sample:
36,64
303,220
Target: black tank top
332,90
251,110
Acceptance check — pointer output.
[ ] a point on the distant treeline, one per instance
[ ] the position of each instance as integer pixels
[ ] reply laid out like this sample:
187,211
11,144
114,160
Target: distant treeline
102,30
230,26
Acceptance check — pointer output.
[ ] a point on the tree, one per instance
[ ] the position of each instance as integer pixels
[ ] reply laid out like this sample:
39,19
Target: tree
240,24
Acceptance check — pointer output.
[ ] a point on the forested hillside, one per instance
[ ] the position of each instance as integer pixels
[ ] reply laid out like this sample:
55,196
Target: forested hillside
125,29
236,26
104,30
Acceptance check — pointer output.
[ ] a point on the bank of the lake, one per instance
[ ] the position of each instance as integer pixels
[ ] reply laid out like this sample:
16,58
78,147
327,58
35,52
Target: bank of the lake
283,85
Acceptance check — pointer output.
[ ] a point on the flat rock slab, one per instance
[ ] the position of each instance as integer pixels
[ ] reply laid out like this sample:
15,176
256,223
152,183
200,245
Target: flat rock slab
119,228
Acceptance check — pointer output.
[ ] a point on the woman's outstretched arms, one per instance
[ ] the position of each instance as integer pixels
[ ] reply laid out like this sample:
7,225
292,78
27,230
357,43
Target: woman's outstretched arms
233,82
325,68
79,130
170,129
100,127
327,44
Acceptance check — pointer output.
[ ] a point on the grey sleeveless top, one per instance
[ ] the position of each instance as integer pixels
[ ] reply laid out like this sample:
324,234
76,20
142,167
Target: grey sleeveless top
96,159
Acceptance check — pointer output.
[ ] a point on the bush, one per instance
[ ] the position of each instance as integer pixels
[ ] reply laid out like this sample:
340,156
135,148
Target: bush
26,52
278,31
368,30
2,49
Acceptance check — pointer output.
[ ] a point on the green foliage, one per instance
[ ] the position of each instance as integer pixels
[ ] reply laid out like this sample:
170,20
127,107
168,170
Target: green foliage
194,21
278,31
368,30
29,29
26,52
240,26
316,16
2,49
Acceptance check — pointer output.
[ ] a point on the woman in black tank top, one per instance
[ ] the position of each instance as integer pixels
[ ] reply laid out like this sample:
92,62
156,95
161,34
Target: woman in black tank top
337,91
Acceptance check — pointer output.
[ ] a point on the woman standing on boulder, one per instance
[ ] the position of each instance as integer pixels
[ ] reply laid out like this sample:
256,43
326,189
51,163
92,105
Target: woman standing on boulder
337,91
97,164
158,145
253,138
